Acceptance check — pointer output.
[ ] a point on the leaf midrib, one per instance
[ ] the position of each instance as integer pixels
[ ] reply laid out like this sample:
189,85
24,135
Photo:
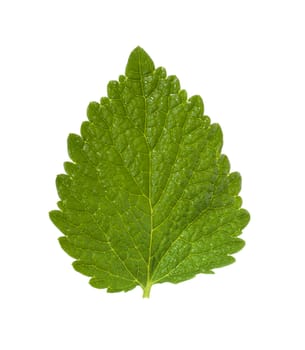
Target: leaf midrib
146,289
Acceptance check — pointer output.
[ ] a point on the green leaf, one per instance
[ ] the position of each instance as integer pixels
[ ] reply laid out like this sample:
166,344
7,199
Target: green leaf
148,197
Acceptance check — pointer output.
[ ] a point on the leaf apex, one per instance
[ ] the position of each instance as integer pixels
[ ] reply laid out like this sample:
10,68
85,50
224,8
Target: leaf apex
139,64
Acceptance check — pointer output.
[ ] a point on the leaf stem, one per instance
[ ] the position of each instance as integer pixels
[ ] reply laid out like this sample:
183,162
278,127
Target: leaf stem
146,290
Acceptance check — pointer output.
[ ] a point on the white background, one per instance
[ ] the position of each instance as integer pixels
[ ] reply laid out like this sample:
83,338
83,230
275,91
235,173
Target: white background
246,59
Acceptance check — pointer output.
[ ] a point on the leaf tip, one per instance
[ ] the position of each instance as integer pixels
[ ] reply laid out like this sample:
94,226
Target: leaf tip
139,64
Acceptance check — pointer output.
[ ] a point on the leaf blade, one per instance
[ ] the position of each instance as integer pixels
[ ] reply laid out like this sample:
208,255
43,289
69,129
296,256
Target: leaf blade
148,198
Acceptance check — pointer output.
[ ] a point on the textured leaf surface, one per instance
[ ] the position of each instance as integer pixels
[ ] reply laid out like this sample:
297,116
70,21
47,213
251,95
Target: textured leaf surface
148,197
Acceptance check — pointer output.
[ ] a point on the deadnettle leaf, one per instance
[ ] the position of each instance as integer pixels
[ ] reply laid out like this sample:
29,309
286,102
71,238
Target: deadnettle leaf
148,197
